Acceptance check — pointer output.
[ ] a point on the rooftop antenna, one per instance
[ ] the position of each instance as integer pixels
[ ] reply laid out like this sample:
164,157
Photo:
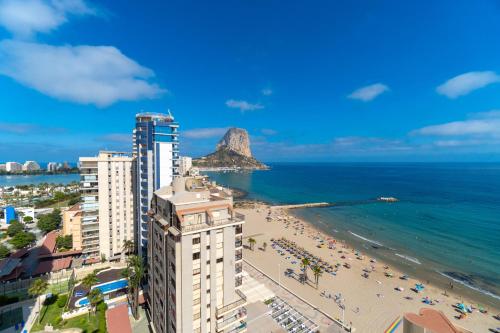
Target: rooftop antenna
170,114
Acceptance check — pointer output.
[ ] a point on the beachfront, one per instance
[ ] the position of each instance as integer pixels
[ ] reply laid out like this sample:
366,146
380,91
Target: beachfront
373,295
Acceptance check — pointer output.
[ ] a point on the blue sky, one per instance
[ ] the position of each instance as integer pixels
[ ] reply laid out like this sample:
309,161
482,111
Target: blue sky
310,80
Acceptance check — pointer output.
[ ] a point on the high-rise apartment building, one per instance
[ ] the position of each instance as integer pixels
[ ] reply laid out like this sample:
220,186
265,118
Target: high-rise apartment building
31,166
107,187
186,163
195,260
52,166
13,167
156,148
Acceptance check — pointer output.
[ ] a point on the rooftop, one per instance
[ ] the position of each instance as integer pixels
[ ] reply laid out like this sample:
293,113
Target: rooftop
118,320
156,116
434,321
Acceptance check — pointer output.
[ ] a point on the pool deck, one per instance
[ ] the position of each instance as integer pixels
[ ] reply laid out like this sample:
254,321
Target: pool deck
103,277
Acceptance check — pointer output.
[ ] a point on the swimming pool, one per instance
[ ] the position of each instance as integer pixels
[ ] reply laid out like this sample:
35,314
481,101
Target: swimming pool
105,288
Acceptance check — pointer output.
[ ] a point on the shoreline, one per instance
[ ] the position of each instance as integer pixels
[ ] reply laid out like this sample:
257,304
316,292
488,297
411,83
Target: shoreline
313,232
385,254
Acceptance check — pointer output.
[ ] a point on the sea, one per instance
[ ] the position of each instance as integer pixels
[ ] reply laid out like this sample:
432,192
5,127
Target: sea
12,180
445,228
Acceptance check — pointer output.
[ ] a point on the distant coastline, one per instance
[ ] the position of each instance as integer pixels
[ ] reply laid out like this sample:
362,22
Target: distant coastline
40,172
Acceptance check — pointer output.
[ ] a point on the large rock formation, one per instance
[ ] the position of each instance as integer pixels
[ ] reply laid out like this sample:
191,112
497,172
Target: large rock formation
232,151
237,140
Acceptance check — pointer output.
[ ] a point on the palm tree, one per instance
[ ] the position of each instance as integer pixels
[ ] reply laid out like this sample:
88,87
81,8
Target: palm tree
128,247
251,242
94,297
134,273
37,288
305,264
264,245
89,280
317,273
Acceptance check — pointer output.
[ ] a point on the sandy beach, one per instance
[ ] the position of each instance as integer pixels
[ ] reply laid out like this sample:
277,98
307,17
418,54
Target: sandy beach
371,303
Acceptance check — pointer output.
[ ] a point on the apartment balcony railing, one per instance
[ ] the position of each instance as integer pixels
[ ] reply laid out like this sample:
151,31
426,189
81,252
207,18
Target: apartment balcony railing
237,317
241,301
239,268
238,243
212,223
239,281
239,255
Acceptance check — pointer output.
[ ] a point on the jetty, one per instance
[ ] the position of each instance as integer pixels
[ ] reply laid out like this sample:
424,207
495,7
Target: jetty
305,205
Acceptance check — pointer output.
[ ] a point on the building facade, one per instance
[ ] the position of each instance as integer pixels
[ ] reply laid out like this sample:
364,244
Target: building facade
195,260
108,206
31,166
156,148
52,166
186,163
13,167
72,224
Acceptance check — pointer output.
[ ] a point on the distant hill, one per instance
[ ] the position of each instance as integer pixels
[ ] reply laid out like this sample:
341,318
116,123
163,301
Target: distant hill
232,151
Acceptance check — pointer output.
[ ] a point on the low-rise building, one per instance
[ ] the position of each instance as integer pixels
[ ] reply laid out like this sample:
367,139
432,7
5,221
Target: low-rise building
429,321
186,163
195,260
3,167
72,225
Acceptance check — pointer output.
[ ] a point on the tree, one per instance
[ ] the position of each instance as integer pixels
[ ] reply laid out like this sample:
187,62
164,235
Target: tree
89,280
37,288
251,242
14,228
49,222
134,273
305,264
22,239
28,219
264,245
64,242
95,297
128,247
4,251
317,273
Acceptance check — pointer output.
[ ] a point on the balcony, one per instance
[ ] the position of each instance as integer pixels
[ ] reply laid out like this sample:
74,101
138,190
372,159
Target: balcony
213,223
239,255
239,268
239,281
237,317
241,301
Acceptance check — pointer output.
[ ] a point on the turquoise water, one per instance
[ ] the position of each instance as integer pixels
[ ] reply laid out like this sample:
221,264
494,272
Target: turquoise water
37,179
105,288
445,228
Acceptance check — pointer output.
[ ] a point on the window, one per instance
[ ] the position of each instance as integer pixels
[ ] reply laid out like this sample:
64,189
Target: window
196,240
220,260
196,256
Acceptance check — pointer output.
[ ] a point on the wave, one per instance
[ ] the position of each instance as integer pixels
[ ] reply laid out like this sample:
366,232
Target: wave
414,260
366,239
469,285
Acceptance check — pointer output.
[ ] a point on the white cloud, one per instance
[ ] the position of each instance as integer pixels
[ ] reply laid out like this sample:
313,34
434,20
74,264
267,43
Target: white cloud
243,105
461,128
99,75
465,83
368,93
203,133
27,17
267,92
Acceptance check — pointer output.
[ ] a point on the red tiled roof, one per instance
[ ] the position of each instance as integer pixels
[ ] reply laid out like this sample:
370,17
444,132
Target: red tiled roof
49,244
53,265
117,319
432,320
60,254
19,254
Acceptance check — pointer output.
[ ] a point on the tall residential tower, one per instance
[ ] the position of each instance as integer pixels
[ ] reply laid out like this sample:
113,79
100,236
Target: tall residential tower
107,188
156,148
195,260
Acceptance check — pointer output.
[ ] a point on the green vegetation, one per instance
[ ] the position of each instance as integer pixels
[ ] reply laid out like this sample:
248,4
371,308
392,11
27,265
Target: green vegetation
59,199
28,219
317,273
64,242
22,239
305,265
49,222
95,297
251,243
89,280
14,228
134,273
52,314
62,300
37,288
4,251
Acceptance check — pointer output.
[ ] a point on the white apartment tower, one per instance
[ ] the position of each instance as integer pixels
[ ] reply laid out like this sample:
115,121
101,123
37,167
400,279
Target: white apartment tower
195,260
107,187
